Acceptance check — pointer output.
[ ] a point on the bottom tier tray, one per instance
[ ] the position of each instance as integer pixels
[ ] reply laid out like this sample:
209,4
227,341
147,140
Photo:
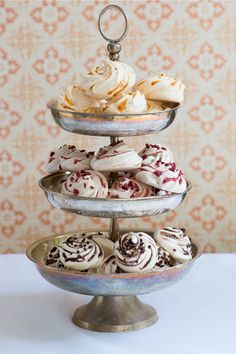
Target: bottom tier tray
115,308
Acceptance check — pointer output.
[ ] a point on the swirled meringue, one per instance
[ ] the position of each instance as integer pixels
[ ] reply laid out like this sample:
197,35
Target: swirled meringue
155,106
54,161
109,266
129,103
75,99
164,176
164,259
80,253
76,160
116,157
176,242
127,188
53,258
162,87
102,240
153,153
110,79
85,183
135,252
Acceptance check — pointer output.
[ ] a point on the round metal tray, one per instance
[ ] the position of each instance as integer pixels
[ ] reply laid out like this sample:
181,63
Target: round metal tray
115,124
108,208
105,284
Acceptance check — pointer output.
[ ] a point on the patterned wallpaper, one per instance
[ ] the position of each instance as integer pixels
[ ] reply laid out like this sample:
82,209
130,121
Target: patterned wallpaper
44,45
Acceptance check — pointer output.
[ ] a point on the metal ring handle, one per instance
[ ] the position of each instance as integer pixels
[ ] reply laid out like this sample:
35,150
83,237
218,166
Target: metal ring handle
100,23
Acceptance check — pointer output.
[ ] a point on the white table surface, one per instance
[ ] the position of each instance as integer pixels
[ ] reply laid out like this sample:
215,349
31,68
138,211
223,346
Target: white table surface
196,316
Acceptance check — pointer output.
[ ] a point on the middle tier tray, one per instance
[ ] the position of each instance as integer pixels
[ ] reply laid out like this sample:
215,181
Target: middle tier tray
108,208
101,124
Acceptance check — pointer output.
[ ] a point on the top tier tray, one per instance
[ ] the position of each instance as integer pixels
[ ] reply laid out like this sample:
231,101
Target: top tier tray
113,124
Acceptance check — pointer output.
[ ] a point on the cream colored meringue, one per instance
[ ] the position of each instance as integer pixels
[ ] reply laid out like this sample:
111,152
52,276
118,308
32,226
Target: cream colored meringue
155,106
163,176
89,183
135,252
127,188
162,87
109,266
75,99
110,79
130,103
176,242
153,153
116,157
102,240
54,162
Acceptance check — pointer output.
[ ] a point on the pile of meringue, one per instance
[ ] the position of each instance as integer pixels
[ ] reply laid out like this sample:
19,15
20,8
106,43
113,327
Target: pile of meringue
151,172
133,252
111,88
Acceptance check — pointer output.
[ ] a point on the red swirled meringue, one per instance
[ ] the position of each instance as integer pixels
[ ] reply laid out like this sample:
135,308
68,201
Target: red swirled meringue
76,160
153,153
127,188
164,176
85,183
135,252
176,242
54,161
110,79
116,157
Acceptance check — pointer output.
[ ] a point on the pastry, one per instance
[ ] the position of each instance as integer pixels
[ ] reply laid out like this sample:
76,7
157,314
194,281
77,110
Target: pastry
153,153
54,161
127,188
80,253
53,258
129,103
162,87
176,242
110,79
135,252
155,106
74,99
102,240
164,176
164,259
109,266
76,160
85,183
116,157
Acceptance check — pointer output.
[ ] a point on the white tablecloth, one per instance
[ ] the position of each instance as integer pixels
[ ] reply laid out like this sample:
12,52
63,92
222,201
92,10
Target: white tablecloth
196,316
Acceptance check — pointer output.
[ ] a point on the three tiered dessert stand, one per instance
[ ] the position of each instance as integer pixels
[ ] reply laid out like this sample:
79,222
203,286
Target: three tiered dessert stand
115,306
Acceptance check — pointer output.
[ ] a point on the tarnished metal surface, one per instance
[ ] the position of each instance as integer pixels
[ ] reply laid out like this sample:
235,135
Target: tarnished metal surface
105,284
108,208
115,124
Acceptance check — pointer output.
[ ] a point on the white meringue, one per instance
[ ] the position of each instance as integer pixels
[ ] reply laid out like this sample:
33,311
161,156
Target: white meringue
135,252
76,160
110,79
153,153
130,103
116,157
164,259
162,87
109,266
102,240
89,183
163,176
176,242
127,188
75,99
54,161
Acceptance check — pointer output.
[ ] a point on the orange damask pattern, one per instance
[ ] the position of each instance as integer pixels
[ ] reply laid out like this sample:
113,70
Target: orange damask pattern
45,45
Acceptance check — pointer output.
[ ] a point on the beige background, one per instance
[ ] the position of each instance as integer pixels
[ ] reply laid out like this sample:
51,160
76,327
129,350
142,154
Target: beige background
46,45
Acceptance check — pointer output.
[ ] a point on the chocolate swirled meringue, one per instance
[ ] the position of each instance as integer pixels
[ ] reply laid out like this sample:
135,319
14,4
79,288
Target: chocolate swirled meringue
102,240
54,161
164,259
127,188
110,79
153,153
109,266
176,242
76,160
85,183
164,176
129,103
80,253
116,157
162,87
53,258
135,252
75,99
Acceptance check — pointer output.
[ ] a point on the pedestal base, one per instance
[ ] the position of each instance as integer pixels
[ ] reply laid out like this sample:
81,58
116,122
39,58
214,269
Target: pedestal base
115,314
